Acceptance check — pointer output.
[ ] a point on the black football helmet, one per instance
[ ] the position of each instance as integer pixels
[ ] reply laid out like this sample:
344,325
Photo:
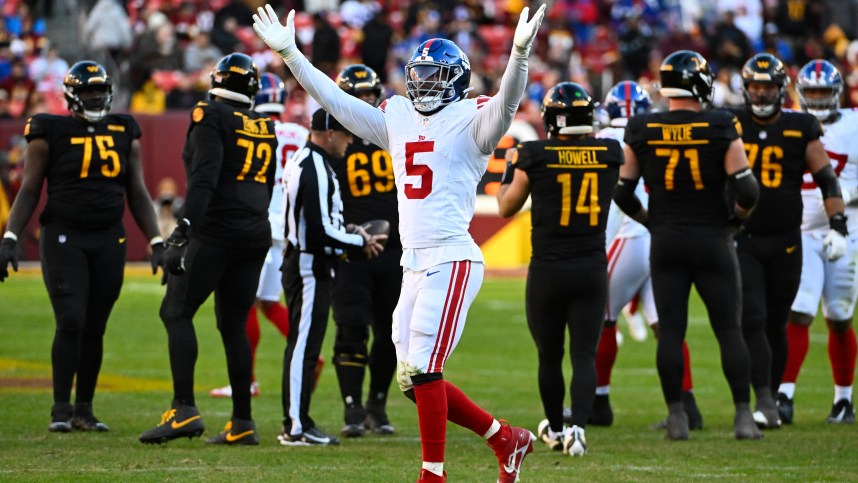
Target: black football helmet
236,78
567,108
765,68
686,73
88,90
359,80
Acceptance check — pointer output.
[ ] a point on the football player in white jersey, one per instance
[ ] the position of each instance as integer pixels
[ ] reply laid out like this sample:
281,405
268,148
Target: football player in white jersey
819,86
628,268
290,138
440,142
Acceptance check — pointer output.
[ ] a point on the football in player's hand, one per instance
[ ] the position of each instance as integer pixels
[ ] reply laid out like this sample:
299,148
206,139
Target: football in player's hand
377,227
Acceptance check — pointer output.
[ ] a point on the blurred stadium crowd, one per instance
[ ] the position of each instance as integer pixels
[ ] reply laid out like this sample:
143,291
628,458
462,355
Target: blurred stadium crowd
161,52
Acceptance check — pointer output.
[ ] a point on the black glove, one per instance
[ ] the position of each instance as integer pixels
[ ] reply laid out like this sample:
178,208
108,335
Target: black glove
7,254
177,245
157,260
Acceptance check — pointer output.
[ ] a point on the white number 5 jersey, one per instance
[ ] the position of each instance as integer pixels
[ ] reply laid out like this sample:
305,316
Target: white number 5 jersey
437,166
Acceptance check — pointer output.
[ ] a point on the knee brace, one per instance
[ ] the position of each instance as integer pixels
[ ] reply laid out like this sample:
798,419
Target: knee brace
800,319
345,359
351,341
839,326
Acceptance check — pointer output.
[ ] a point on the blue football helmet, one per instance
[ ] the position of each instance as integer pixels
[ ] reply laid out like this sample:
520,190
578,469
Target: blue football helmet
820,75
438,74
271,96
625,100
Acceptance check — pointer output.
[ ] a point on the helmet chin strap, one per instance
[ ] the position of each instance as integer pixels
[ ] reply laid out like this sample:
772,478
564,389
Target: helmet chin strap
764,111
232,96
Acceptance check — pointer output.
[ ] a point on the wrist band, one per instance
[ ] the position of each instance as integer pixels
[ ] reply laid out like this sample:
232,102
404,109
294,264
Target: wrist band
11,236
156,239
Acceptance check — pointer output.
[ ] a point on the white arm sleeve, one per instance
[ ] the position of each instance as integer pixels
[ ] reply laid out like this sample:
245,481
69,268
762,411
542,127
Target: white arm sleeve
495,117
357,116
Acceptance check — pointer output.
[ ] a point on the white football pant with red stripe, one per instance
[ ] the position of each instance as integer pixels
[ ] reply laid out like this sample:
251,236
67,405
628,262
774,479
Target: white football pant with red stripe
430,316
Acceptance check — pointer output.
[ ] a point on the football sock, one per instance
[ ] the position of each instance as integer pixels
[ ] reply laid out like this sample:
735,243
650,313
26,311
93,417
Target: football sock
686,368
91,352
798,339
65,355
841,351
842,392
350,374
787,389
432,419
252,329
238,365
464,412
606,355
493,429
279,316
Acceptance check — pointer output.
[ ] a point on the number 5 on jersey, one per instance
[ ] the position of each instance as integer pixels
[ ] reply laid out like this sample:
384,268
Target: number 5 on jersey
421,170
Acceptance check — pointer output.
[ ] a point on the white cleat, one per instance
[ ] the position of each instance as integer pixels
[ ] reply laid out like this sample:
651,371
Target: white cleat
549,437
574,442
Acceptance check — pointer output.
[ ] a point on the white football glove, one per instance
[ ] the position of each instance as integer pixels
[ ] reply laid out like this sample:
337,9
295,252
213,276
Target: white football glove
525,32
280,38
834,244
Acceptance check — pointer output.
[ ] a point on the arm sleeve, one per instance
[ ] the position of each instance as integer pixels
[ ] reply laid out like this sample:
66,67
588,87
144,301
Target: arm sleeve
625,198
204,171
314,194
827,182
357,116
495,117
746,188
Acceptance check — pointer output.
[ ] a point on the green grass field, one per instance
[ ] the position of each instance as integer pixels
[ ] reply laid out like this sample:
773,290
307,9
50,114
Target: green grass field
495,364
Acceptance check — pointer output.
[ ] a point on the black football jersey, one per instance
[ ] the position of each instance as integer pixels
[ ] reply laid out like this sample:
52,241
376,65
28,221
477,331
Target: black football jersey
87,167
571,183
681,156
365,175
776,153
241,182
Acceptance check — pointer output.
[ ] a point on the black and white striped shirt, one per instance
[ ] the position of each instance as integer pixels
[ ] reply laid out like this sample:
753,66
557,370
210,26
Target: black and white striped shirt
314,213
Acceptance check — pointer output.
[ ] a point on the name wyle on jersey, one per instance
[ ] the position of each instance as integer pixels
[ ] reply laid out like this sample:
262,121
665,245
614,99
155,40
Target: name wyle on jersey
676,133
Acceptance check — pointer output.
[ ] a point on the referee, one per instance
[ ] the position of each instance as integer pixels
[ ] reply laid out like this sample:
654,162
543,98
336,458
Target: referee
317,241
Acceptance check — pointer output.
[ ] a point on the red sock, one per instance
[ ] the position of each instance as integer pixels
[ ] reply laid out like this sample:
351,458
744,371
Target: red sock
464,412
842,349
606,355
252,329
432,419
798,339
279,316
686,369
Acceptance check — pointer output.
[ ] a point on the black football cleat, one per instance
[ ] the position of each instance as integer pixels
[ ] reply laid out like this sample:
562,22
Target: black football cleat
601,413
785,408
695,419
179,422
376,420
61,415
842,412
84,420
237,431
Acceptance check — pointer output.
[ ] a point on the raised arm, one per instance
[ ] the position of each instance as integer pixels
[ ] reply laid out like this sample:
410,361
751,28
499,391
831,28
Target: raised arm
494,119
357,116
